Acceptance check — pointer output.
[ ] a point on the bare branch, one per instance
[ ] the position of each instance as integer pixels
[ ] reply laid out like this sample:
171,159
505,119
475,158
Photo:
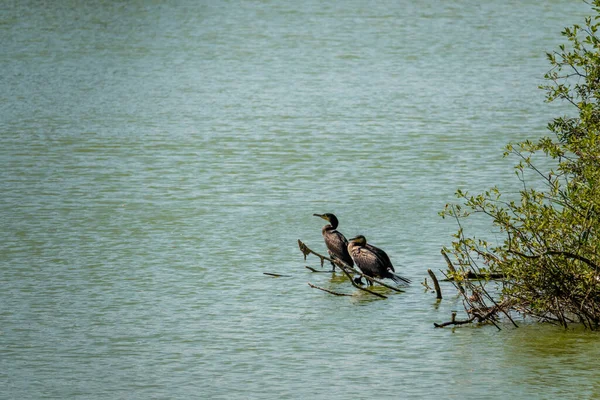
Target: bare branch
276,275
479,315
306,251
328,291
436,284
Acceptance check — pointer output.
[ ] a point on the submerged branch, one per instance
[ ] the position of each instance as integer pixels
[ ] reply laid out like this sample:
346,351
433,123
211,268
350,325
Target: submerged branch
275,275
314,270
478,315
453,321
328,291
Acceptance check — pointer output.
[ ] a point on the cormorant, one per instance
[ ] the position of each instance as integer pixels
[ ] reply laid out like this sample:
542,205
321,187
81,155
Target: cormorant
373,261
337,244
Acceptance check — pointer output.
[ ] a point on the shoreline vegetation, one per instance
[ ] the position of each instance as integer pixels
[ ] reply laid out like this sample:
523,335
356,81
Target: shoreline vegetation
547,266
548,263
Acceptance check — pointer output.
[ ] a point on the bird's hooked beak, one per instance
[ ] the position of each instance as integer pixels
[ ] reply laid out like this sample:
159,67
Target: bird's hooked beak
322,216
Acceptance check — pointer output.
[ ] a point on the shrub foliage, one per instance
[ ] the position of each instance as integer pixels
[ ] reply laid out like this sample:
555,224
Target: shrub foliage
549,252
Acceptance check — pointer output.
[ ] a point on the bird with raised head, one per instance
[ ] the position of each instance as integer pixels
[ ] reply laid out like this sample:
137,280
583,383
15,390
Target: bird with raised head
336,242
373,261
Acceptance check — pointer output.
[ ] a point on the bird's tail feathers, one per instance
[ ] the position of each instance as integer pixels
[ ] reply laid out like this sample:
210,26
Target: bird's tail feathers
400,280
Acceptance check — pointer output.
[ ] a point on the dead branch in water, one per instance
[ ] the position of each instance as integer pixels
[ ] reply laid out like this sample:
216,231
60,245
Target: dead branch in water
436,284
327,290
489,314
275,275
479,298
306,251
311,269
454,321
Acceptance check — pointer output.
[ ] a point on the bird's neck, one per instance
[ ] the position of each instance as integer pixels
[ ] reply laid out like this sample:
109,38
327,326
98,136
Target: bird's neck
328,228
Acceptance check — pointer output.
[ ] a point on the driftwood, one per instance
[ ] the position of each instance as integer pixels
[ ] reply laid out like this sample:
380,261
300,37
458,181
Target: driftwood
346,269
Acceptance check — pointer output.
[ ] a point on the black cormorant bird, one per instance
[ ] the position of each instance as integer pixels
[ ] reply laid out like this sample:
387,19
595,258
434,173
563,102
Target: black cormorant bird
337,244
373,261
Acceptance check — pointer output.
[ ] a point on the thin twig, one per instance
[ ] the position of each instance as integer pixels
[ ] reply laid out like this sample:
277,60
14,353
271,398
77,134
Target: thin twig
275,275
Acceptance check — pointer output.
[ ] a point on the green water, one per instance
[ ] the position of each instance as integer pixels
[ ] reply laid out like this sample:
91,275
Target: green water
158,157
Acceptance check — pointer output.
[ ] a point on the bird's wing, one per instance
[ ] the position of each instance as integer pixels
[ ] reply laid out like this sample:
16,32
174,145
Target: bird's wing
368,262
382,255
337,244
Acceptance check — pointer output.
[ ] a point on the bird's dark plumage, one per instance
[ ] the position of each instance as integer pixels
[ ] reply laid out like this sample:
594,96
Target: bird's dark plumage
373,261
337,244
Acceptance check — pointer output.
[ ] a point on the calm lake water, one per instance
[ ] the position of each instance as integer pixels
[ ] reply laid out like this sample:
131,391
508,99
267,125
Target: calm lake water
159,157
